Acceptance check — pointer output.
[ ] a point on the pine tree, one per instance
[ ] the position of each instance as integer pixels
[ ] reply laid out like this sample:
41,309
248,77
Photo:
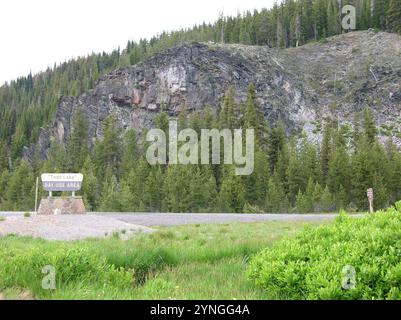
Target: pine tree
368,169
3,157
19,140
294,175
332,18
136,180
19,191
280,34
110,197
379,13
4,180
381,199
320,19
394,16
305,201
176,188
196,123
366,15
309,161
108,151
229,111
232,192
77,147
276,142
339,172
326,201
211,196
255,184
198,193
127,199
317,197
251,117
276,199
369,126
56,157
393,171
153,189
255,119
183,118
130,152
325,152
89,185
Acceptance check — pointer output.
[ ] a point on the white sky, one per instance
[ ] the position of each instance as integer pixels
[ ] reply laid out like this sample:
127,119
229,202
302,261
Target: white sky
35,34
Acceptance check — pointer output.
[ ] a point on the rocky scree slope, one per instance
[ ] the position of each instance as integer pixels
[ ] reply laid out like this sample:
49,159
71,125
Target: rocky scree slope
304,86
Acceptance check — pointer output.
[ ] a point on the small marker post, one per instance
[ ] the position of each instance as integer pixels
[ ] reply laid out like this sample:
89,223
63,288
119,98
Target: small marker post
369,193
36,194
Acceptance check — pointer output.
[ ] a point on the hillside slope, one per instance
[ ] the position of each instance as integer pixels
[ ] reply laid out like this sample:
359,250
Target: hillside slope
304,86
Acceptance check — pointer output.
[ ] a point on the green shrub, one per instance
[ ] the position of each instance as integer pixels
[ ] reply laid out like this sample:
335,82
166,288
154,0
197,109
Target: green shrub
27,214
310,265
23,268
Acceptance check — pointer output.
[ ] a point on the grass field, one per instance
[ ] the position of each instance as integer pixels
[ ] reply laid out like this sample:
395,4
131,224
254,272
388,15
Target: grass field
183,262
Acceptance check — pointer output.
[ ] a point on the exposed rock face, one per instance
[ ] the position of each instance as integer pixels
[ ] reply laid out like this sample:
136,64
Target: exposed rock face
304,86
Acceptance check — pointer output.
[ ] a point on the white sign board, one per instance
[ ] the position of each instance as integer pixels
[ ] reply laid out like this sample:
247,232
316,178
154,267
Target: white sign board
62,181
369,193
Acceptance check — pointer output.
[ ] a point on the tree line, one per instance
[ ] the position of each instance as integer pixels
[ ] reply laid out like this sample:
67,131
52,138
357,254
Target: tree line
29,103
291,174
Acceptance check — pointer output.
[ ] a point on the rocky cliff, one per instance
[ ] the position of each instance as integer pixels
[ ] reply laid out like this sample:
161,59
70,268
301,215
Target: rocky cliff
304,86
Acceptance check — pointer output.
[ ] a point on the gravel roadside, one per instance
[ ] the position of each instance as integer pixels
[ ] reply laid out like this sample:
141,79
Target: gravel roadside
68,227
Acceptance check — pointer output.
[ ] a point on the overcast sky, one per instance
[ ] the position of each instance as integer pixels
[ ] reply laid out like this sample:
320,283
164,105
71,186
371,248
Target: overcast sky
37,33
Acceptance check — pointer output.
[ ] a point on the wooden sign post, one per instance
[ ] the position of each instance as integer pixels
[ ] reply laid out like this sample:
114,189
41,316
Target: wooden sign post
36,194
370,198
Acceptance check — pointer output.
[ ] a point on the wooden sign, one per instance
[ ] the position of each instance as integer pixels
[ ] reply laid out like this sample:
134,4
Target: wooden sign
369,193
62,181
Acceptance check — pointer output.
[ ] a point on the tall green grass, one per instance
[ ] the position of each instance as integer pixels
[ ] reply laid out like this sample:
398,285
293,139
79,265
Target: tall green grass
195,261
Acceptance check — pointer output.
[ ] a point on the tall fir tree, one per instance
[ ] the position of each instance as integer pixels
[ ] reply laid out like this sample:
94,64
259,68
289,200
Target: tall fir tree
394,16
108,151
77,146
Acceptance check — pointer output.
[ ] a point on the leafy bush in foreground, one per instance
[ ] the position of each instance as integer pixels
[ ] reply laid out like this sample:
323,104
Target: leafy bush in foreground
310,265
23,268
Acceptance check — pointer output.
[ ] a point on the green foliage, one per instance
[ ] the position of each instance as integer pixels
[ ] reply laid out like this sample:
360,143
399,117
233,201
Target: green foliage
77,147
290,173
276,199
394,16
72,266
89,185
305,201
232,192
18,192
229,110
203,261
344,169
310,265
108,151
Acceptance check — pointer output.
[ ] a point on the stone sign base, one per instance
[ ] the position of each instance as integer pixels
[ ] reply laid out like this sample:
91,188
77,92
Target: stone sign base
61,205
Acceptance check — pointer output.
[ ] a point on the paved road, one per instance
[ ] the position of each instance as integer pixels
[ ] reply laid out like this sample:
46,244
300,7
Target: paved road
171,219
